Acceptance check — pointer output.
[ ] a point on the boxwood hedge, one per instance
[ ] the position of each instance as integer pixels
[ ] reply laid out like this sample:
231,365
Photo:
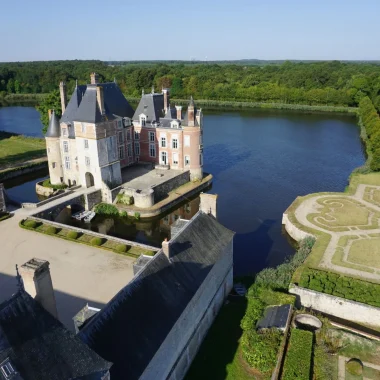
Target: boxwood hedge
298,356
341,286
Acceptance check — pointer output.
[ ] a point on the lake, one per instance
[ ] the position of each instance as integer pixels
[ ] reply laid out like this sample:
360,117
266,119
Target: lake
261,161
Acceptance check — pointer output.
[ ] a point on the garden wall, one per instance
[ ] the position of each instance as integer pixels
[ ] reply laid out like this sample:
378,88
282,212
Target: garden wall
336,306
294,232
161,190
15,172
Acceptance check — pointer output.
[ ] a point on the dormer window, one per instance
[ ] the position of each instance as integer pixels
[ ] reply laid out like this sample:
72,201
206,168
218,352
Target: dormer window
7,370
127,122
64,132
142,120
174,124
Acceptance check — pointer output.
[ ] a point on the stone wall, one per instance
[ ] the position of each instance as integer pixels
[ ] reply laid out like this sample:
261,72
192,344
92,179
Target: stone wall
293,231
336,306
15,172
92,199
161,190
176,353
3,206
44,191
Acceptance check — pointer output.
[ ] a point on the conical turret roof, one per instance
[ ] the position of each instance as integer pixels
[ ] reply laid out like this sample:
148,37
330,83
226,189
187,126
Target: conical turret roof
53,128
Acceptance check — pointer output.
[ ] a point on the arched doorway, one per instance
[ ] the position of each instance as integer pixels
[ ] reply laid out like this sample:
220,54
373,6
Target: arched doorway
89,180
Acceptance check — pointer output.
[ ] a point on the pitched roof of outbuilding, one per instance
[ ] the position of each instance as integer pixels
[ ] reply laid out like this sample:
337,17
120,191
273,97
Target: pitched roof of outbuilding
134,324
152,106
54,129
83,104
39,347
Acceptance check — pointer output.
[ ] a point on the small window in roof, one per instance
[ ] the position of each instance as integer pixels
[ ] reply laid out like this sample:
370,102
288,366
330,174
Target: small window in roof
7,370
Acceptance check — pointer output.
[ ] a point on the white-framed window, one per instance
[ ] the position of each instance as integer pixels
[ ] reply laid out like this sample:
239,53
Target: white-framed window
174,124
121,152
126,121
152,136
142,120
175,158
128,134
129,150
7,369
83,125
85,144
187,160
87,161
152,150
67,162
137,148
164,158
53,165
119,123
187,140
137,135
64,132
175,143
120,137
163,142
65,146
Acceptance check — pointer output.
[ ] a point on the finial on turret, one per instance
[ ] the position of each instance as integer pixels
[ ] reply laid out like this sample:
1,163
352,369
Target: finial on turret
142,92
20,283
76,83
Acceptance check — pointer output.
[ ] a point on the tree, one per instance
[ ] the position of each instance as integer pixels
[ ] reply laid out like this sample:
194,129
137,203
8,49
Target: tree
51,102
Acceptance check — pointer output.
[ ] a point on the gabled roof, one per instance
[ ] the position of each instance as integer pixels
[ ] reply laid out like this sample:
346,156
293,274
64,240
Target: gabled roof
151,105
133,325
39,347
83,104
54,129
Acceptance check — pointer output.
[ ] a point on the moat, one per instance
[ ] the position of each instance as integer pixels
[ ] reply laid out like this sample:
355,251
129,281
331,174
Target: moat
261,161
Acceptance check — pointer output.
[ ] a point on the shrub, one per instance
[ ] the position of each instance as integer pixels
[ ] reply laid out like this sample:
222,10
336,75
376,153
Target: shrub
137,215
51,230
149,253
106,209
279,278
72,235
30,223
124,199
121,248
254,311
260,348
298,356
96,241
123,214
341,286
48,184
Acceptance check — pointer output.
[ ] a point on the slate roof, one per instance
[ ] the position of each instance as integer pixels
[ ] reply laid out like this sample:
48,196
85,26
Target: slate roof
54,129
274,316
129,330
39,347
83,105
151,105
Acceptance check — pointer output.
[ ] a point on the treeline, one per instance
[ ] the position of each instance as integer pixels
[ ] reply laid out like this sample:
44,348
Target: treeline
371,121
318,83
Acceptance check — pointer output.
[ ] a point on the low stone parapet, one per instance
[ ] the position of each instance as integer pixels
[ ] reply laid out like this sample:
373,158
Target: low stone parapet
337,306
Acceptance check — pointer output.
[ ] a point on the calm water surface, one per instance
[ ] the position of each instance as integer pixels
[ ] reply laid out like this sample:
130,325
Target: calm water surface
261,161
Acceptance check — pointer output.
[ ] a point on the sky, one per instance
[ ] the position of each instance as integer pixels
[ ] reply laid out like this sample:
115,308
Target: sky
35,30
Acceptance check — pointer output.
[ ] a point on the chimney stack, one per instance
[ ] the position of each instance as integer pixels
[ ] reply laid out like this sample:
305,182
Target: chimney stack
37,282
209,204
179,112
190,113
100,99
62,91
94,78
165,91
166,248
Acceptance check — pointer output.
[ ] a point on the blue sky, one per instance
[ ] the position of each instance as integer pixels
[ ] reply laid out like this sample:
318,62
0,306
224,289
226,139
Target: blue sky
151,29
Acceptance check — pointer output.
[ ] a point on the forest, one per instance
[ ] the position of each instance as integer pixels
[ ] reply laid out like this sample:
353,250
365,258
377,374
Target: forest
331,83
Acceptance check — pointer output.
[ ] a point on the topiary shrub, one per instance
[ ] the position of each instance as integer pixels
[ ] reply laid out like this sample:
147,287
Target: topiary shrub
121,248
72,235
30,223
96,241
51,230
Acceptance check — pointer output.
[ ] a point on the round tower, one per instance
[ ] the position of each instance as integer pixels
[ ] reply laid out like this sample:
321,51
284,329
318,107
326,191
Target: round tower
53,148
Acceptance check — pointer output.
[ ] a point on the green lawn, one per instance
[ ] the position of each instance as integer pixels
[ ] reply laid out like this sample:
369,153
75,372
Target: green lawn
219,357
18,149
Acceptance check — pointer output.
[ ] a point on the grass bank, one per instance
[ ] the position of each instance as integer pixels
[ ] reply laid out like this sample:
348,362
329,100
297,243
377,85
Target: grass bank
16,98
17,149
